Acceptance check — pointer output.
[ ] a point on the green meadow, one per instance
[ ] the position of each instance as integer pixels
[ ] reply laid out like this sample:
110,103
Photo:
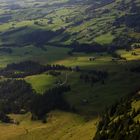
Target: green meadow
50,55
42,82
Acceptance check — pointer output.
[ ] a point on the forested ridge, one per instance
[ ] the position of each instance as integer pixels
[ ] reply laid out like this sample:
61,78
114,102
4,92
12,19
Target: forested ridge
121,121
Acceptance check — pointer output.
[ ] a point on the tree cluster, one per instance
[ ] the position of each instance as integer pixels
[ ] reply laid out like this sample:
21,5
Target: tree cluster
94,76
50,100
17,96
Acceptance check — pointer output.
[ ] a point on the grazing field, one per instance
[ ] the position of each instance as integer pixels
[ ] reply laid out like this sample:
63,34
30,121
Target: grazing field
105,39
130,55
59,125
42,82
99,96
50,55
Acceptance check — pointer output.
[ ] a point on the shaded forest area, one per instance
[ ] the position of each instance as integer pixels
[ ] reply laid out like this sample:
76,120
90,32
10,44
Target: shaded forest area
17,96
119,121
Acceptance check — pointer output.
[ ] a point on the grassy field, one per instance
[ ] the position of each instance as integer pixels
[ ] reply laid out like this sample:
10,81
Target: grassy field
51,55
100,96
104,39
129,54
42,82
60,125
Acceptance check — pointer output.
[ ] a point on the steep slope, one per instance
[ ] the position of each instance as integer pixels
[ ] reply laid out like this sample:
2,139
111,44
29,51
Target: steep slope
121,121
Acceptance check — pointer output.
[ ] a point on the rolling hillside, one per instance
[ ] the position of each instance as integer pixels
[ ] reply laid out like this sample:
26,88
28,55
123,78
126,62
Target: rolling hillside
85,22
63,63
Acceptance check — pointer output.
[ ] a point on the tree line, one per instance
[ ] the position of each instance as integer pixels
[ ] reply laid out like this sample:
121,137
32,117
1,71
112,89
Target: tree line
26,68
